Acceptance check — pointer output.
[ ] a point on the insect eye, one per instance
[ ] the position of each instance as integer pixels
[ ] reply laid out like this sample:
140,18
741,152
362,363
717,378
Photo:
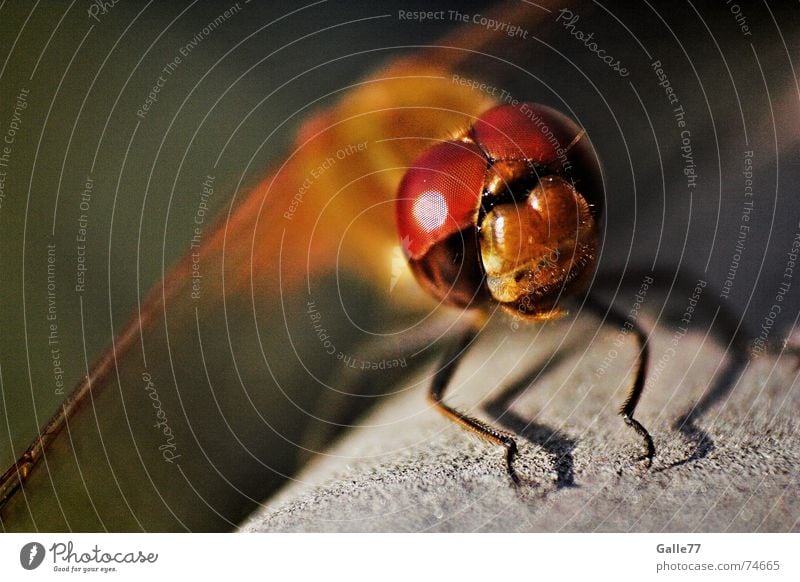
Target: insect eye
530,131
439,195
437,208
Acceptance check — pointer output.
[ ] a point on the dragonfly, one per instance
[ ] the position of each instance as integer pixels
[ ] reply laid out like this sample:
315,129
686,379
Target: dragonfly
508,213
174,430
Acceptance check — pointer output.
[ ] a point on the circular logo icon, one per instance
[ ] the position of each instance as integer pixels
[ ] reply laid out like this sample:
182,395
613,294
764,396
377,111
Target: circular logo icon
31,555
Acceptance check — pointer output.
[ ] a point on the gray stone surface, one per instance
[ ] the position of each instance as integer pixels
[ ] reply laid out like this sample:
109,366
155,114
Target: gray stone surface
407,469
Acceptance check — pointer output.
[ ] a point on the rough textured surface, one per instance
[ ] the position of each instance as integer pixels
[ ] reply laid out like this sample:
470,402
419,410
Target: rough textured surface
408,469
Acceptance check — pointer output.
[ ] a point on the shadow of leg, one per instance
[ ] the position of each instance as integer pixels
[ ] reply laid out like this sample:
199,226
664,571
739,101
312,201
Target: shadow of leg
722,386
558,445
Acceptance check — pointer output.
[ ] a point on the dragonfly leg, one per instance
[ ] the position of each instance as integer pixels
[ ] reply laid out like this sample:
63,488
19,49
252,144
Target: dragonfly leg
439,385
629,406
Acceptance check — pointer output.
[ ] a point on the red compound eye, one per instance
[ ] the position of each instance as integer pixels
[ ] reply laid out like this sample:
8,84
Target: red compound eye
437,213
528,131
440,195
